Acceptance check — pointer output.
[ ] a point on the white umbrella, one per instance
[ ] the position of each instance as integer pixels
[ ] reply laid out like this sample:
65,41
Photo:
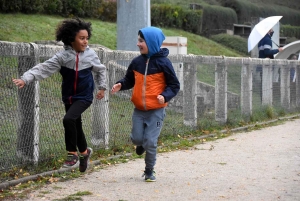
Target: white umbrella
260,30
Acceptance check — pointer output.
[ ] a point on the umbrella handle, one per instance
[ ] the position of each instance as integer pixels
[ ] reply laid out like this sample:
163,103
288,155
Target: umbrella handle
275,43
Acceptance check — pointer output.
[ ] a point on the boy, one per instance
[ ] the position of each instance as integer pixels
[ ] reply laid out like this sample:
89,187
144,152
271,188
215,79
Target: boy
75,64
154,84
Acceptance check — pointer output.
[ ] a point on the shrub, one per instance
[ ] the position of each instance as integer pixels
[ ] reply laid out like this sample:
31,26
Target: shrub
192,21
167,15
290,31
246,10
236,43
108,11
217,17
53,6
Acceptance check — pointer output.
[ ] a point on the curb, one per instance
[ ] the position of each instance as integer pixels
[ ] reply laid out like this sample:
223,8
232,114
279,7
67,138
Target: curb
7,184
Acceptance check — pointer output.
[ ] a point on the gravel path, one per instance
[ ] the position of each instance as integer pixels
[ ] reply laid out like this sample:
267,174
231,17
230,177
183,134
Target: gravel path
261,165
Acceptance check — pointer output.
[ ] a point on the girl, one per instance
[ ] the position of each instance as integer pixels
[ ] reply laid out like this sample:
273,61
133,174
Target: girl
75,64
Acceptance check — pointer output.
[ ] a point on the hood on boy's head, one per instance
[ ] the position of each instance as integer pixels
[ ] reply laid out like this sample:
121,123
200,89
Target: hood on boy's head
154,38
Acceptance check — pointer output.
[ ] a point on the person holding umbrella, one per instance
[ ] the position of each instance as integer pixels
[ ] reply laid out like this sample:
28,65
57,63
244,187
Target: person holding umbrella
265,46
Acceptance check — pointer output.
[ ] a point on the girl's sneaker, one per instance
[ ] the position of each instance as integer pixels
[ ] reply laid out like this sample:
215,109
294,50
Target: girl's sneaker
84,160
71,161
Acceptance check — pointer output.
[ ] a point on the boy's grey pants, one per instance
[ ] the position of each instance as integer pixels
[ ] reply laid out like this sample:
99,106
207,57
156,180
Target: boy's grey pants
146,127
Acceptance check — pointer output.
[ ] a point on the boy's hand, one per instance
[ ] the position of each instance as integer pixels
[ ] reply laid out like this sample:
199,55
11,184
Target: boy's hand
116,88
20,83
100,94
161,99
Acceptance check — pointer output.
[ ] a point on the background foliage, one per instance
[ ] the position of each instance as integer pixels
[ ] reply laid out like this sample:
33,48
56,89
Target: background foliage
201,17
246,10
236,43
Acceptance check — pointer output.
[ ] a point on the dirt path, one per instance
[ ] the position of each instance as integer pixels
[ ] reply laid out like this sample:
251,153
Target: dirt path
261,165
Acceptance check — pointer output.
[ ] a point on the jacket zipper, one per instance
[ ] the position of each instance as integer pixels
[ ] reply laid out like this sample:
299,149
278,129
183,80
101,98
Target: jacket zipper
144,86
76,76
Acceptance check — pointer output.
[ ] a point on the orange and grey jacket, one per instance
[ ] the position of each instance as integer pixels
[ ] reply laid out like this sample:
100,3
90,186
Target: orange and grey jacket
151,74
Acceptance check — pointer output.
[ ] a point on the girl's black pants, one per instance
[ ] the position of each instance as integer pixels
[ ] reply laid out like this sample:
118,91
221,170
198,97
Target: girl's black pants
74,135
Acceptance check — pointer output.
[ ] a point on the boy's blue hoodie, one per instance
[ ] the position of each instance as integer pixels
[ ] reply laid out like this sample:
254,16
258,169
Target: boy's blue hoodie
154,38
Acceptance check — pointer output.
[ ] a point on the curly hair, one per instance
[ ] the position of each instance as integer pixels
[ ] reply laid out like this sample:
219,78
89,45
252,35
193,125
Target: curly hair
66,31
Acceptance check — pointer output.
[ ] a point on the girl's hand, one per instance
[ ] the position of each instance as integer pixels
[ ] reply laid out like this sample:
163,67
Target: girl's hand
20,83
100,94
116,88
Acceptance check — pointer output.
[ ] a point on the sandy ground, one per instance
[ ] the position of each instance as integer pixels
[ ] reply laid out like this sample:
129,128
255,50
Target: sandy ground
261,165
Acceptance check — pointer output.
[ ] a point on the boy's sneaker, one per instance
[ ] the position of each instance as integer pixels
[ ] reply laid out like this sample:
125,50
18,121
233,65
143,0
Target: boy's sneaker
71,161
149,175
139,150
84,160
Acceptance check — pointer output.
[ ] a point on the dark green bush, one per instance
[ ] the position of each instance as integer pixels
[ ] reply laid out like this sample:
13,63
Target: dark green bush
72,8
290,31
192,21
53,6
32,6
108,11
217,17
166,15
8,6
246,10
91,8
236,43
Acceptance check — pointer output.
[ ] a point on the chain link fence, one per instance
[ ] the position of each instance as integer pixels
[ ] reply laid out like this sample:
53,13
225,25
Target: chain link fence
214,91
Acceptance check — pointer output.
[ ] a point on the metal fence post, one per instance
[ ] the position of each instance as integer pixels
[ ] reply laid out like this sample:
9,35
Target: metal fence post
246,88
28,106
221,92
189,94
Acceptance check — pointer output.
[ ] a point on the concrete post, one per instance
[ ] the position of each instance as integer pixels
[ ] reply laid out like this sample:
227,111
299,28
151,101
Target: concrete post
297,71
292,85
28,106
267,83
246,88
221,92
132,15
285,95
189,95
100,111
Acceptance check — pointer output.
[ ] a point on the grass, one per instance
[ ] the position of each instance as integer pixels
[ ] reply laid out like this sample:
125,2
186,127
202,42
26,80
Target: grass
30,28
76,196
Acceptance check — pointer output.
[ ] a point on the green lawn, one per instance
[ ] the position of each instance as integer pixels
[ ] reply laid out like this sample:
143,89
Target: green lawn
30,28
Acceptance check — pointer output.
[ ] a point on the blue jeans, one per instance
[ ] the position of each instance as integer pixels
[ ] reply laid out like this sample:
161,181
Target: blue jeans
146,127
